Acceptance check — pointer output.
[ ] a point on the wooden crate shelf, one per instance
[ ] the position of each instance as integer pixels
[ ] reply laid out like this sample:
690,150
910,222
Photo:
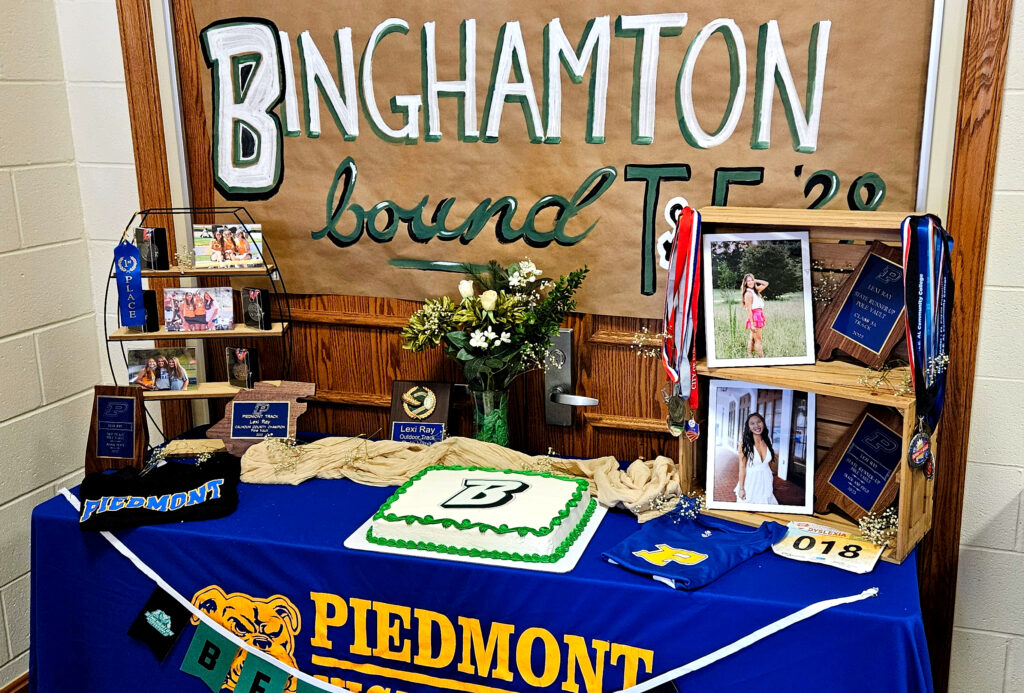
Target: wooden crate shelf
838,240
835,378
123,334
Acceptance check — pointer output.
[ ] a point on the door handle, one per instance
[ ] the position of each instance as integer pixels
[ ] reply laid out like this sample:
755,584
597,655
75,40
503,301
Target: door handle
559,400
560,396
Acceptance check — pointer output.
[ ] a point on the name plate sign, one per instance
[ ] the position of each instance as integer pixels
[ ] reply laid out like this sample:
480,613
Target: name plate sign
270,408
260,419
419,411
859,475
115,427
421,433
865,317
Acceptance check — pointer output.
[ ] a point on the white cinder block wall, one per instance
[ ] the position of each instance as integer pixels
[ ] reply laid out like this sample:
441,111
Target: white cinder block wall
988,637
67,188
48,348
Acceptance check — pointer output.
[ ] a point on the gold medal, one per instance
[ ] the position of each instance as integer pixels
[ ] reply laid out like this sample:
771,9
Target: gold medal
419,402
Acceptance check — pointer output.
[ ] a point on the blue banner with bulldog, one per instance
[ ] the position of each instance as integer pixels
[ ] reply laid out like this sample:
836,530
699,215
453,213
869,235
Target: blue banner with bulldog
275,575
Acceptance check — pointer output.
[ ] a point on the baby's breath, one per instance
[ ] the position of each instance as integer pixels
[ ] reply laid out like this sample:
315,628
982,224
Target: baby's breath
647,345
880,528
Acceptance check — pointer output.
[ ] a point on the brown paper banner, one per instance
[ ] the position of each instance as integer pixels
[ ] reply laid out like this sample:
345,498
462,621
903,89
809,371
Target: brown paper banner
699,94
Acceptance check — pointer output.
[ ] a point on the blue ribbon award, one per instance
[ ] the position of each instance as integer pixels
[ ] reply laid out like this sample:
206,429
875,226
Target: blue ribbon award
128,269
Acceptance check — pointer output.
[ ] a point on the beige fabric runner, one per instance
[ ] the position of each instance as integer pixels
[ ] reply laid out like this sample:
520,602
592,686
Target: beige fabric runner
642,488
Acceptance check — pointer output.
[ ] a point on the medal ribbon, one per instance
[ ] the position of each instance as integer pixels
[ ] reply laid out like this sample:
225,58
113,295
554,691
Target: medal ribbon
128,268
928,287
681,297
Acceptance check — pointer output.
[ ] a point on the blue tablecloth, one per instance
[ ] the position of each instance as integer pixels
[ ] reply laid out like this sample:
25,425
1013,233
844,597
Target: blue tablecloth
287,541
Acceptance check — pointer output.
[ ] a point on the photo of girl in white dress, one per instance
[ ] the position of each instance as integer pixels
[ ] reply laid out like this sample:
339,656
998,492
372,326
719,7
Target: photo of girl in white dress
760,448
756,478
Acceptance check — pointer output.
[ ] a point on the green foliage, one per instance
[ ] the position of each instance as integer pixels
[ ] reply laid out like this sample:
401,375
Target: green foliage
429,325
503,329
773,262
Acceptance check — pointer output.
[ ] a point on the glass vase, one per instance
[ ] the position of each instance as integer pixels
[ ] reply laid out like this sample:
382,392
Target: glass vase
490,416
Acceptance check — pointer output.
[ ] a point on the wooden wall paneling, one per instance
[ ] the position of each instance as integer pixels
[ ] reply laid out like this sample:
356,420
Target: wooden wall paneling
150,154
983,70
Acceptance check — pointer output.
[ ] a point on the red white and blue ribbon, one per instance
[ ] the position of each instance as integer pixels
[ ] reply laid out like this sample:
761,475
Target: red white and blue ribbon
928,287
679,349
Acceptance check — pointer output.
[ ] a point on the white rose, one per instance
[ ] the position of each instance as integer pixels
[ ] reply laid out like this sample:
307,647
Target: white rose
466,288
488,299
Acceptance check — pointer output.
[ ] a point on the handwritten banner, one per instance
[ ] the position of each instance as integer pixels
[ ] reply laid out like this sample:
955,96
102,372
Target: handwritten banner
378,140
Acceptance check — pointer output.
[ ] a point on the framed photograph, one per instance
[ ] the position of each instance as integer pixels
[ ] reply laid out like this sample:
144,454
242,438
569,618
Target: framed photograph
760,448
170,368
198,310
757,299
226,246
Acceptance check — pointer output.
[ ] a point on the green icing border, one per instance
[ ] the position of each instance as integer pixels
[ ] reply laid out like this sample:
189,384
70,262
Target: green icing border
581,486
559,553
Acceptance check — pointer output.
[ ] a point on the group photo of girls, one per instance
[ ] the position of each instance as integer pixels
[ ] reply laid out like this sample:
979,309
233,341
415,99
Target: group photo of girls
163,369
760,448
757,299
227,245
198,310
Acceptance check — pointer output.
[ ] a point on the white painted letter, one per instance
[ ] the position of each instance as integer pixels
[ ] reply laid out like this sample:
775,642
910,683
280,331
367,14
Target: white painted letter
317,77
291,101
464,88
247,142
511,55
647,29
691,129
596,36
773,67
408,104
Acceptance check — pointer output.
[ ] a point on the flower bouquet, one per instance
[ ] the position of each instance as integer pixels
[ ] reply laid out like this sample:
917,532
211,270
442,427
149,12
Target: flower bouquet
500,329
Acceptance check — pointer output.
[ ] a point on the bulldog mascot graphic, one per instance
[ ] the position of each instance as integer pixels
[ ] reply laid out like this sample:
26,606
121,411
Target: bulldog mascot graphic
269,624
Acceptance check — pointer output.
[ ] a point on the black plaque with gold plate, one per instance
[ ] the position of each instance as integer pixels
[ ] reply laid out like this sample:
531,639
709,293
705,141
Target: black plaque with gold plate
419,411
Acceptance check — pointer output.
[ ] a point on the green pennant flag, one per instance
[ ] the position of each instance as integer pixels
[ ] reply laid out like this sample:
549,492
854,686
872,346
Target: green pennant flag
209,657
260,676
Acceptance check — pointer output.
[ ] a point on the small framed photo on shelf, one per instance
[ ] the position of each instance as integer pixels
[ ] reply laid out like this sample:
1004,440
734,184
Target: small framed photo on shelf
198,310
243,366
170,368
152,244
757,299
227,246
760,448
256,308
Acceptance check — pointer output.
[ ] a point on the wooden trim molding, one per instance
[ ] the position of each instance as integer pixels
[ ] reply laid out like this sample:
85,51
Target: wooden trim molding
357,399
142,86
327,317
983,70
627,423
18,685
